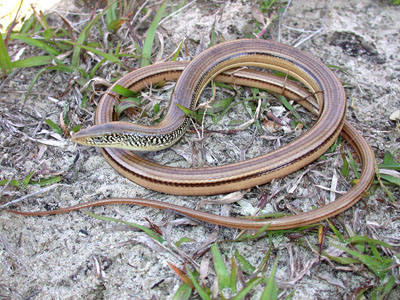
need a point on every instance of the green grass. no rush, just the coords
(22, 184)
(228, 281)
(5, 62)
(151, 32)
(58, 51)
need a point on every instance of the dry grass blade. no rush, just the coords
(226, 199)
(332, 280)
(69, 27)
(181, 275)
(38, 192)
(11, 27)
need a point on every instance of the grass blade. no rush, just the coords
(341, 260)
(177, 52)
(126, 104)
(378, 266)
(202, 293)
(183, 240)
(234, 275)
(28, 24)
(289, 107)
(353, 164)
(335, 231)
(220, 268)
(151, 32)
(107, 56)
(345, 170)
(253, 236)
(96, 67)
(364, 239)
(183, 293)
(271, 290)
(389, 162)
(12, 182)
(32, 61)
(111, 17)
(47, 181)
(383, 186)
(149, 232)
(249, 286)
(341, 69)
(35, 43)
(391, 179)
(5, 61)
(54, 126)
(190, 113)
(27, 179)
(247, 268)
(123, 91)
(388, 287)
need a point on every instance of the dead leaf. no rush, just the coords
(181, 274)
(332, 280)
(271, 126)
(204, 269)
(257, 15)
(227, 199)
(63, 125)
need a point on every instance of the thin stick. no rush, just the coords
(308, 37)
(175, 12)
(41, 191)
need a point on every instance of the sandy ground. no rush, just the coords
(74, 256)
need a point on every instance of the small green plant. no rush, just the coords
(364, 251)
(272, 5)
(57, 43)
(228, 280)
(151, 233)
(266, 13)
(21, 184)
(388, 173)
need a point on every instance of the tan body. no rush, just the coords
(327, 100)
